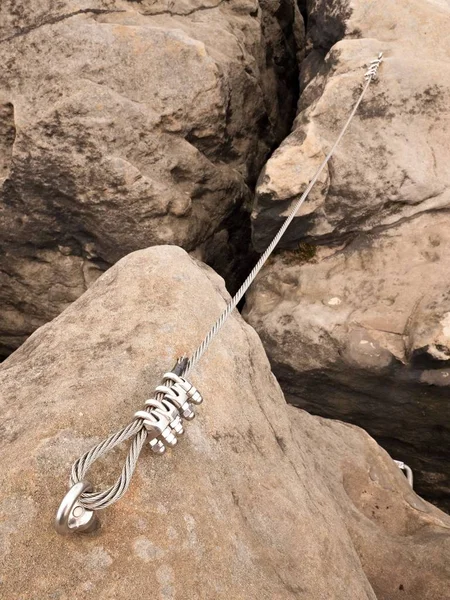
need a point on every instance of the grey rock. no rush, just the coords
(259, 500)
(128, 124)
(362, 333)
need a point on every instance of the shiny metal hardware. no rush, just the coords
(169, 410)
(72, 516)
(157, 424)
(157, 446)
(372, 71)
(163, 418)
(192, 392)
(177, 396)
(406, 470)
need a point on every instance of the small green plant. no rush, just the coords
(303, 253)
(306, 252)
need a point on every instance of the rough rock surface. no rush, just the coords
(392, 163)
(126, 124)
(350, 336)
(361, 331)
(258, 501)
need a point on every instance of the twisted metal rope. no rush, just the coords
(102, 499)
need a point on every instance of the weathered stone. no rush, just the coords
(384, 519)
(129, 124)
(258, 501)
(392, 162)
(360, 332)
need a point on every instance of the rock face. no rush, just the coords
(363, 334)
(384, 523)
(355, 319)
(260, 500)
(392, 163)
(127, 124)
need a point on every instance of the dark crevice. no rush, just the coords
(325, 22)
(234, 258)
(229, 251)
(303, 8)
(325, 25)
(360, 397)
(422, 359)
(7, 138)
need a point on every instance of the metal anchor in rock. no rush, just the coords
(72, 516)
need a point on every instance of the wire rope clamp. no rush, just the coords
(72, 517)
(168, 410)
(178, 397)
(157, 423)
(194, 395)
(372, 71)
(163, 418)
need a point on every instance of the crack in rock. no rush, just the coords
(57, 19)
(182, 14)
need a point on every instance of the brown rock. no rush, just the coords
(362, 334)
(258, 501)
(384, 518)
(392, 162)
(128, 124)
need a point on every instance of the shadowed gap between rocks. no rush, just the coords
(234, 260)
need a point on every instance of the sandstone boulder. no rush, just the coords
(127, 124)
(384, 520)
(362, 334)
(258, 501)
(355, 319)
(392, 163)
